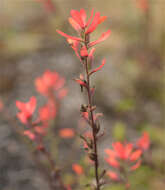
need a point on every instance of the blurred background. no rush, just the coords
(129, 89)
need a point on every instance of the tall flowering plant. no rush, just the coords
(51, 86)
(84, 49)
(125, 157)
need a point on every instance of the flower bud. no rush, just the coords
(84, 52)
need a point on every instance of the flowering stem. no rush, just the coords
(55, 171)
(92, 124)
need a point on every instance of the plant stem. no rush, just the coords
(92, 125)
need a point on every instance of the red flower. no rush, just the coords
(78, 19)
(74, 24)
(113, 162)
(96, 21)
(77, 169)
(29, 134)
(123, 152)
(144, 142)
(49, 82)
(135, 155)
(79, 23)
(66, 133)
(47, 112)
(26, 109)
(112, 175)
(84, 52)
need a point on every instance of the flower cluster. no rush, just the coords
(126, 157)
(50, 85)
(84, 28)
(26, 110)
(83, 47)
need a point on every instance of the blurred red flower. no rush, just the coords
(26, 109)
(144, 142)
(50, 82)
(66, 133)
(47, 112)
(122, 152)
(77, 169)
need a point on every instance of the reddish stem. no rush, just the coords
(92, 124)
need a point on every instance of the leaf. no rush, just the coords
(98, 68)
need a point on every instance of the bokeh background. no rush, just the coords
(129, 89)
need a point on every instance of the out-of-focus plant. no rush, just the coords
(125, 158)
(50, 85)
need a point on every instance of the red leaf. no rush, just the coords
(111, 153)
(91, 52)
(94, 23)
(88, 22)
(102, 38)
(112, 175)
(135, 155)
(134, 167)
(144, 141)
(74, 24)
(102, 19)
(83, 16)
(68, 36)
(112, 162)
(98, 68)
(29, 134)
(77, 17)
(81, 83)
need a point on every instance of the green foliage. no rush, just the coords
(119, 131)
(125, 105)
(140, 179)
(115, 187)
